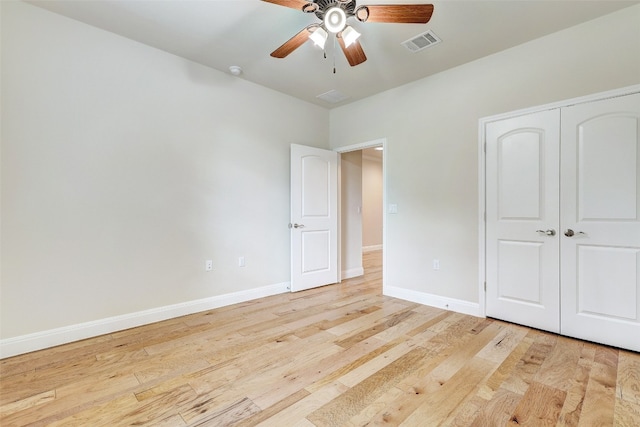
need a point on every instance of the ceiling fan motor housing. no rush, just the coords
(348, 6)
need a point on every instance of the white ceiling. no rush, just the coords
(221, 33)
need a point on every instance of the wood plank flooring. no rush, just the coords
(341, 355)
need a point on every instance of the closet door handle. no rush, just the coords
(550, 232)
(571, 233)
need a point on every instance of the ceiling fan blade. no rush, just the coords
(354, 53)
(293, 43)
(395, 13)
(303, 5)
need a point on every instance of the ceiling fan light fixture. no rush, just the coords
(349, 35)
(362, 13)
(319, 37)
(310, 8)
(335, 19)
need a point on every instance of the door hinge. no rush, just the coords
(485, 147)
(485, 286)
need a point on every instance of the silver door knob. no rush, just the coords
(298, 225)
(571, 233)
(549, 232)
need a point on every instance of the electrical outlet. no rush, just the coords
(208, 266)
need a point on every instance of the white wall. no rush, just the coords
(371, 202)
(124, 168)
(351, 216)
(432, 141)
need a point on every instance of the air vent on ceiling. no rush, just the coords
(422, 41)
(333, 96)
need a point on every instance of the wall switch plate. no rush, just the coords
(436, 264)
(241, 261)
(208, 266)
(393, 208)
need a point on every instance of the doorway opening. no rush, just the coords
(362, 201)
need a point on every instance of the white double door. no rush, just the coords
(563, 220)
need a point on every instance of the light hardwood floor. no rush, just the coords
(341, 355)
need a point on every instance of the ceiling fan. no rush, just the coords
(334, 15)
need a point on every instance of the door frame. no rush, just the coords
(355, 147)
(482, 123)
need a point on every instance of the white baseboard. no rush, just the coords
(459, 306)
(371, 248)
(53, 337)
(353, 272)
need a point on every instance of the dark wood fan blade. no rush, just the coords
(395, 13)
(303, 5)
(292, 44)
(354, 53)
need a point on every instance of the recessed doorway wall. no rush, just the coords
(372, 207)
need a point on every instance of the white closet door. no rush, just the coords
(600, 218)
(522, 254)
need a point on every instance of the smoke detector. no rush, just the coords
(235, 70)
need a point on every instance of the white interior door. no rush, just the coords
(314, 217)
(600, 190)
(522, 208)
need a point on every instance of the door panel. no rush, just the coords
(607, 167)
(522, 205)
(316, 253)
(314, 217)
(316, 178)
(600, 190)
(615, 268)
(520, 282)
(519, 183)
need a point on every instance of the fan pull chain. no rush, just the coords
(334, 54)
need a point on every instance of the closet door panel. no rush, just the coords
(600, 220)
(522, 220)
